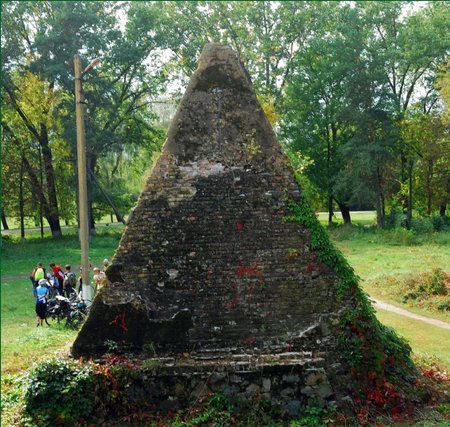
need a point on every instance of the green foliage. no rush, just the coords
(314, 416)
(59, 392)
(422, 225)
(149, 349)
(39, 88)
(427, 290)
(326, 252)
(12, 391)
(366, 345)
(394, 219)
(150, 364)
(111, 346)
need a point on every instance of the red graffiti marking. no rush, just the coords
(233, 303)
(249, 340)
(309, 268)
(239, 226)
(250, 271)
(119, 320)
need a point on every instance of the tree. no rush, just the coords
(48, 34)
(32, 104)
(266, 36)
(443, 86)
(427, 137)
(410, 48)
(314, 122)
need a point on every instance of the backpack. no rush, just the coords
(71, 279)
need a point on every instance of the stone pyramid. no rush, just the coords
(208, 260)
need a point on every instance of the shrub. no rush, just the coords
(59, 392)
(394, 219)
(439, 223)
(422, 225)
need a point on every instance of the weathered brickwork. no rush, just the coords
(207, 259)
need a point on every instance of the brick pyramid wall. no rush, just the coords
(207, 260)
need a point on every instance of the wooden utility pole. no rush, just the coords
(82, 181)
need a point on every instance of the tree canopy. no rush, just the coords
(357, 92)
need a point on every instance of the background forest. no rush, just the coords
(358, 93)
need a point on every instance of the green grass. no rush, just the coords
(19, 259)
(357, 217)
(14, 223)
(22, 342)
(379, 254)
(425, 340)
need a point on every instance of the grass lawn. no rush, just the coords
(425, 340)
(30, 223)
(393, 253)
(357, 217)
(19, 259)
(22, 342)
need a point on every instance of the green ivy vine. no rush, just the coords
(365, 344)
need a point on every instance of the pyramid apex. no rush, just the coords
(216, 53)
(219, 67)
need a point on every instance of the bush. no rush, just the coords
(394, 219)
(59, 392)
(422, 225)
(439, 223)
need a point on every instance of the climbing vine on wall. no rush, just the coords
(373, 352)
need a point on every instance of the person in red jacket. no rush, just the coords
(59, 274)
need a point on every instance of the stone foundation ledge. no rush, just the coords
(289, 380)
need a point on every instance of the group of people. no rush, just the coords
(59, 282)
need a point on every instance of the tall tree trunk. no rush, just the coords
(38, 192)
(410, 194)
(119, 216)
(330, 209)
(41, 136)
(379, 199)
(4, 222)
(345, 212)
(329, 184)
(53, 213)
(442, 209)
(21, 203)
(403, 179)
(41, 208)
(429, 186)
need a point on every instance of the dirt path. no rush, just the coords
(15, 277)
(63, 227)
(381, 305)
